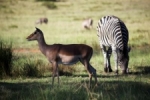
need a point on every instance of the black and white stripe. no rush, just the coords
(112, 33)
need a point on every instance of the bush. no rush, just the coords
(50, 5)
(33, 68)
(6, 56)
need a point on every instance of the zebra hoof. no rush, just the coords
(116, 72)
(110, 70)
(124, 72)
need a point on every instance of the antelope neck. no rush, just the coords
(42, 45)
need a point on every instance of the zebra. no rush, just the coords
(113, 37)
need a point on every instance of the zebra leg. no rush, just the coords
(115, 52)
(109, 51)
(105, 58)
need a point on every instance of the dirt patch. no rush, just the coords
(26, 50)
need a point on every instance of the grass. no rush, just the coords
(6, 56)
(110, 87)
(18, 18)
(50, 5)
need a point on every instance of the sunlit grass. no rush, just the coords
(65, 25)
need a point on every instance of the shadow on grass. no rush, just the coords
(141, 70)
(121, 90)
(19, 91)
(106, 75)
(145, 70)
(106, 90)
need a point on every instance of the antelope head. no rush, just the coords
(36, 35)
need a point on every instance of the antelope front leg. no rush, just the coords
(55, 70)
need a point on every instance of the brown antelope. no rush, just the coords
(64, 54)
(87, 23)
(41, 21)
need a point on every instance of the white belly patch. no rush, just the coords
(68, 60)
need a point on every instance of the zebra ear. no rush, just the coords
(120, 51)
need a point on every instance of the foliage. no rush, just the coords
(66, 70)
(6, 56)
(32, 68)
(29, 67)
(50, 5)
(113, 87)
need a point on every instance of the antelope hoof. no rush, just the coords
(105, 69)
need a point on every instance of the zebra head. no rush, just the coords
(123, 59)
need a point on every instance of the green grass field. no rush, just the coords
(17, 21)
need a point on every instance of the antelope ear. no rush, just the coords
(36, 28)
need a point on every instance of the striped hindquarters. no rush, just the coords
(112, 32)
